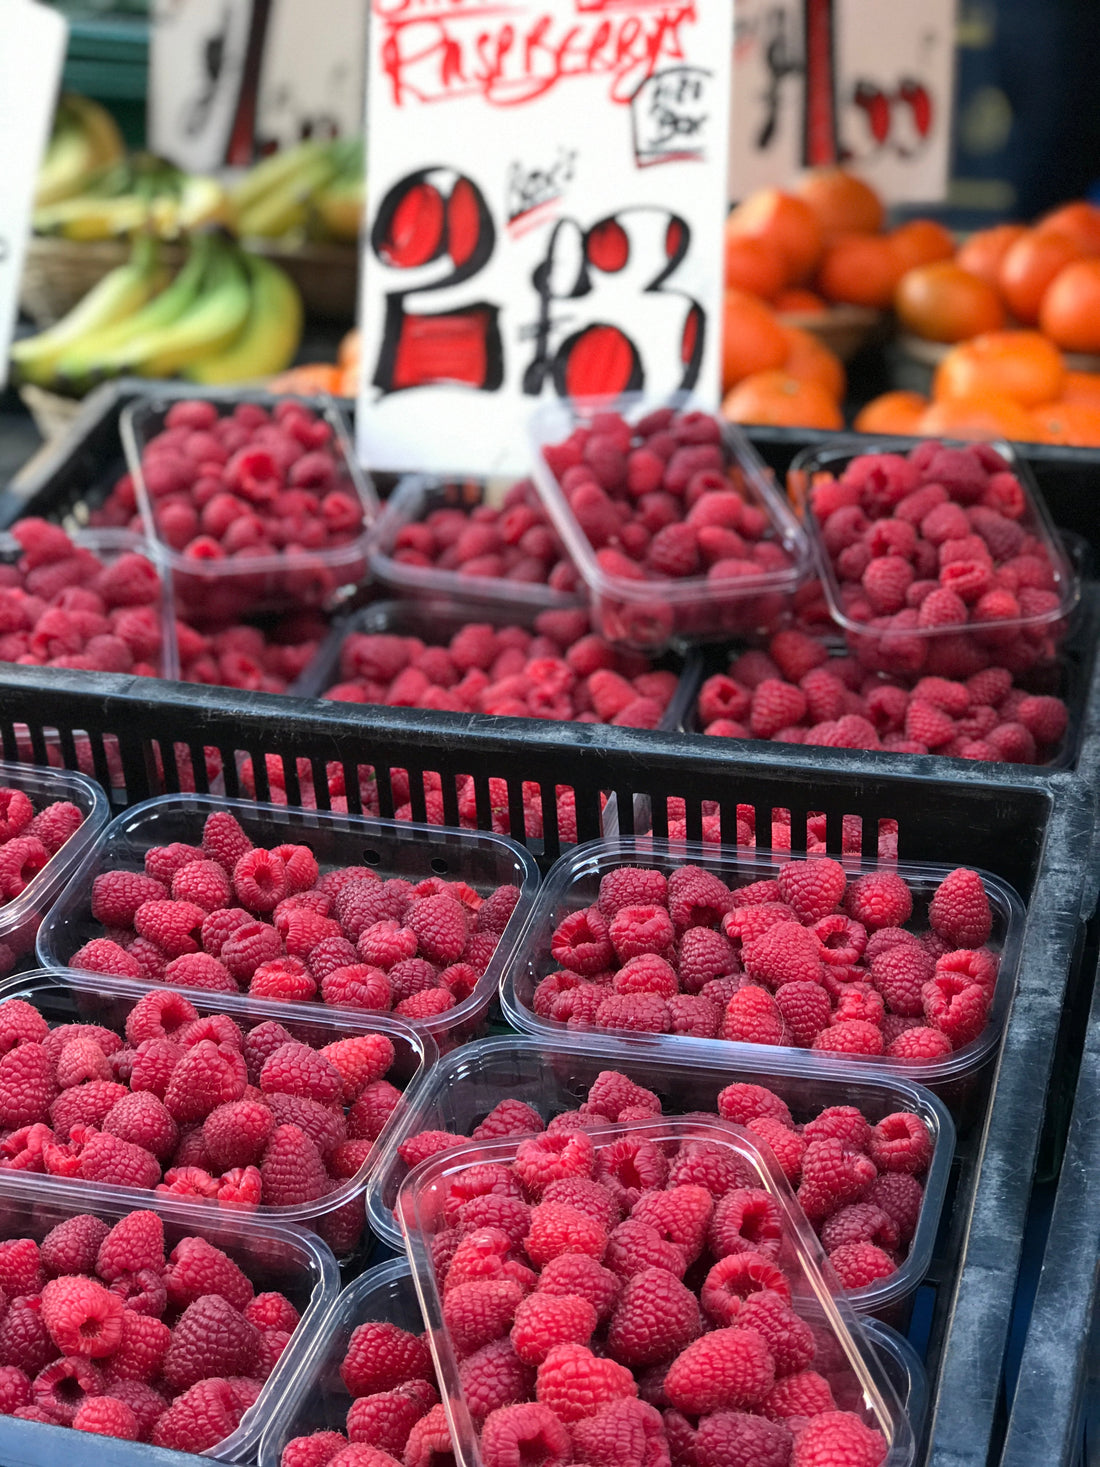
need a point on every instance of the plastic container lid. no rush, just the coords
(573, 883)
(555, 1075)
(273, 1256)
(389, 847)
(89, 998)
(815, 1292)
(20, 917)
(415, 497)
(649, 613)
(216, 590)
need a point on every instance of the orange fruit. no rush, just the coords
(891, 412)
(810, 360)
(1028, 268)
(752, 338)
(782, 401)
(1081, 387)
(1073, 423)
(785, 223)
(860, 270)
(350, 348)
(1078, 221)
(987, 415)
(349, 381)
(754, 265)
(1022, 365)
(940, 302)
(797, 301)
(308, 379)
(843, 203)
(922, 242)
(1070, 312)
(983, 253)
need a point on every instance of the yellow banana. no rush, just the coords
(214, 321)
(201, 200)
(274, 173)
(270, 336)
(340, 209)
(118, 295)
(286, 208)
(99, 126)
(83, 142)
(88, 217)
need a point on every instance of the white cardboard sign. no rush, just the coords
(768, 94)
(32, 52)
(197, 53)
(547, 192)
(311, 77)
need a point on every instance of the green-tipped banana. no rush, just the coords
(286, 209)
(118, 295)
(107, 353)
(98, 124)
(270, 336)
(88, 217)
(209, 327)
(275, 173)
(85, 140)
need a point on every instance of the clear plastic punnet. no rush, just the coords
(318, 1400)
(649, 612)
(573, 884)
(219, 589)
(87, 998)
(272, 1255)
(886, 648)
(389, 848)
(20, 917)
(843, 1353)
(414, 499)
(553, 1076)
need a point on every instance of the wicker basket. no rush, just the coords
(57, 273)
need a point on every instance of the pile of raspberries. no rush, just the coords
(859, 1183)
(229, 916)
(264, 658)
(943, 540)
(509, 542)
(194, 1106)
(61, 606)
(101, 1330)
(29, 838)
(797, 693)
(621, 1304)
(562, 670)
(807, 959)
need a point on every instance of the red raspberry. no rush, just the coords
(173, 926)
(767, 1310)
(586, 1196)
(742, 1102)
(116, 896)
(900, 1196)
(813, 888)
(81, 1059)
(802, 1394)
(636, 931)
(681, 1215)
(71, 1246)
(900, 974)
(54, 825)
(785, 953)
(959, 910)
(643, 1013)
(142, 1348)
(578, 1274)
(843, 1123)
(427, 1143)
(207, 1075)
(524, 1433)
(576, 1384)
(203, 883)
(108, 1159)
(196, 1267)
(901, 1143)
(20, 862)
(382, 1357)
(292, 1169)
(84, 1105)
(859, 1264)
(316, 1450)
(704, 955)
(727, 1368)
(919, 1046)
(832, 1176)
(295, 1069)
(143, 1120)
(83, 1317)
(135, 1243)
(850, 1036)
(581, 942)
(23, 1336)
(15, 1389)
(508, 1118)
(697, 898)
(547, 1158)
(236, 1134)
(224, 840)
(635, 1245)
(162, 862)
(775, 705)
(385, 1419)
(210, 1338)
(630, 1166)
(694, 1015)
(611, 1092)
(62, 1387)
(159, 1015)
(739, 1439)
(879, 899)
(492, 1377)
(425, 1005)
(786, 1145)
(20, 1023)
(1045, 718)
(259, 880)
(625, 1431)
(544, 1320)
(805, 1010)
(101, 955)
(200, 1418)
(746, 1220)
(372, 1110)
(862, 1222)
(752, 1017)
(557, 1228)
(478, 1312)
(441, 927)
(655, 1317)
(831, 1437)
(631, 886)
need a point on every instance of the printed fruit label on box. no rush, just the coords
(32, 50)
(547, 192)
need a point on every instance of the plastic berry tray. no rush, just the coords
(815, 1292)
(693, 608)
(20, 918)
(415, 497)
(218, 590)
(73, 997)
(318, 1400)
(832, 461)
(390, 848)
(273, 1255)
(573, 883)
(556, 1075)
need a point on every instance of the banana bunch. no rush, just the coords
(312, 191)
(227, 316)
(84, 145)
(141, 192)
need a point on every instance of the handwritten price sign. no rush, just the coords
(547, 187)
(32, 49)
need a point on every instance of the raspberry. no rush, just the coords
(696, 898)
(54, 825)
(879, 899)
(859, 1264)
(15, 1389)
(805, 1010)
(630, 1166)
(83, 1317)
(767, 1310)
(20, 1023)
(831, 1437)
(544, 1159)
(959, 910)
(524, 1433)
(752, 1017)
(557, 1228)
(71, 1246)
(681, 1215)
(636, 1245)
(210, 1338)
(135, 1243)
(440, 925)
(746, 1220)
(742, 1102)
(581, 942)
(101, 955)
(585, 1196)
(224, 840)
(831, 1177)
(478, 1312)
(142, 1348)
(642, 1013)
(508, 1118)
(901, 1143)
(545, 1320)
(813, 888)
(727, 1368)
(631, 886)
(576, 1384)
(200, 1418)
(655, 1317)
(623, 1432)
(295, 1069)
(804, 1393)
(106, 1158)
(196, 1267)
(61, 1388)
(635, 931)
(785, 953)
(900, 974)
(236, 1134)
(292, 1169)
(850, 1036)
(207, 1075)
(704, 955)
(259, 880)
(492, 1377)
(316, 1450)
(919, 1046)
(385, 1419)
(116, 896)
(20, 862)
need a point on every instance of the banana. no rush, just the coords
(274, 173)
(340, 209)
(106, 353)
(98, 125)
(85, 140)
(119, 294)
(286, 208)
(88, 217)
(212, 323)
(270, 336)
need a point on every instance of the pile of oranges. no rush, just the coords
(793, 255)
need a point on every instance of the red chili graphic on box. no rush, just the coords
(547, 187)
